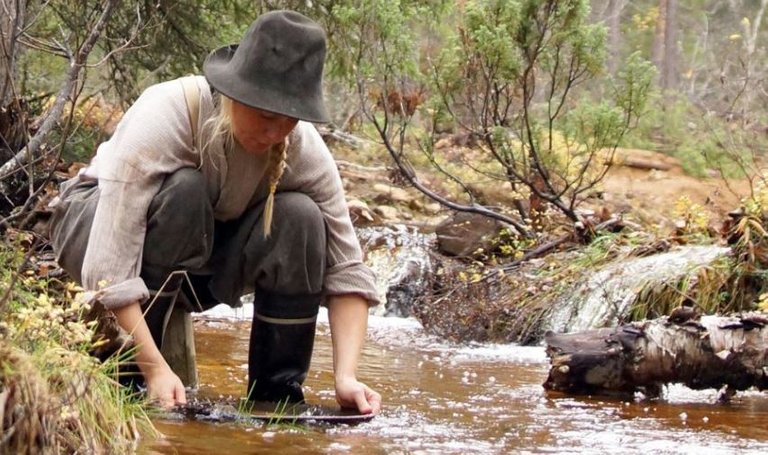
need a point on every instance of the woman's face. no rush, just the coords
(258, 130)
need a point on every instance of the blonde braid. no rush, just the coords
(275, 168)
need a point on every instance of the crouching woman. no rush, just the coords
(221, 178)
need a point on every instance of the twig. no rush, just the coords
(536, 252)
(360, 167)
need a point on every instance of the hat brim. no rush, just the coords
(225, 81)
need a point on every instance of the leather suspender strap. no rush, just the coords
(192, 97)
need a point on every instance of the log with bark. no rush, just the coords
(644, 164)
(727, 353)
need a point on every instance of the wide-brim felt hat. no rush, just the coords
(277, 67)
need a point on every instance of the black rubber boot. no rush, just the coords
(282, 338)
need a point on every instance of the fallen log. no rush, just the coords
(645, 164)
(727, 353)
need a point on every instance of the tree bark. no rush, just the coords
(701, 353)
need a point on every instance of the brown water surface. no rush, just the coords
(442, 399)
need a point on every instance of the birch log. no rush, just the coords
(701, 353)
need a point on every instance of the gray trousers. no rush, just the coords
(224, 259)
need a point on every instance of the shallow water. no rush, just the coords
(443, 399)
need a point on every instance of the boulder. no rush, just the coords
(400, 258)
(465, 233)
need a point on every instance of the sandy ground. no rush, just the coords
(651, 195)
(646, 196)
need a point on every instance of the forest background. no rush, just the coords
(425, 69)
(534, 98)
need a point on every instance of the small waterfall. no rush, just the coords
(399, 256)
(609, 292)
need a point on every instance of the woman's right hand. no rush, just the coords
(164, 387)
(162, 383)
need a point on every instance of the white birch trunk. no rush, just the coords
(701, 353)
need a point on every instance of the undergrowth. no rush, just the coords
(488, 304)
(54, 396)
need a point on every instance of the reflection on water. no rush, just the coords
(446, 399)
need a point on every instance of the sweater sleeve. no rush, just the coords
(312, 170)
(151, 141)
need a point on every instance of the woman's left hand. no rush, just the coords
(351, 393)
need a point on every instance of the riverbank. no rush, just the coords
(54, 396)
(492, 297)
(465, 299)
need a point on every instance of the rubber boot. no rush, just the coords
(282, 338)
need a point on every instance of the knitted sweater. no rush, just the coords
(154, 139)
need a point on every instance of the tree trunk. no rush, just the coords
(11, 22)
(13, 118)
(701, 353)
(657, 52)
(614, 34)
(669, 76)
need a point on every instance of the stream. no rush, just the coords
(450, 399)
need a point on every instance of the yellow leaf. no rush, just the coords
(745, 22)
(735, 37)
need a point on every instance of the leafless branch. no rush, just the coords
(77, 63)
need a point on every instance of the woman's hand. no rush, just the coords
(351, 393)
(164, 387)
(162, 383)
(348, 315)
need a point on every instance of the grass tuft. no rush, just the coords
(54, 396)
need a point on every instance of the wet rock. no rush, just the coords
(400, 258)
(465, 233)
